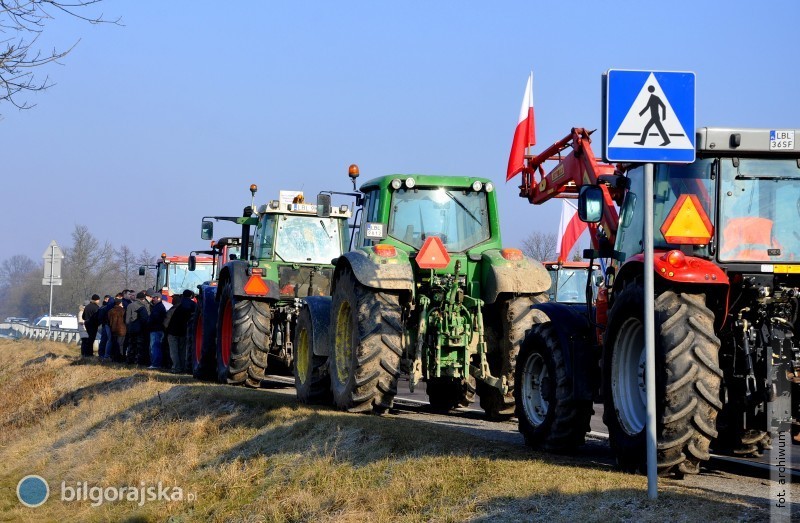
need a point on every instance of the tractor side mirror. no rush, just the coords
(206, 230)
(192, 264)
(323, 205)
(590, 204)
(142, 270)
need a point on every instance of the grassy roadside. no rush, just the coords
(246, 455)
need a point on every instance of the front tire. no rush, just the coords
(202, 345)
(549, 416)
(515, 317)
(366, 345)
(446, 394)
(312, 381)
(242, 339)
(688, 379)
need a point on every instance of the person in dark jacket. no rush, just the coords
(116, 322)
(137, 316)
(158, 312)
(103, 350)
(128, 297)
(90, 323)
(176, 333)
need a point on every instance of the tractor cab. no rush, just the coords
(174, 275)
(297, 243)
(569, 281)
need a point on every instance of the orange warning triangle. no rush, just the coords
(255, 286)
(433, 255)
(687, 222)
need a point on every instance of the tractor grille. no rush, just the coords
(295, 282)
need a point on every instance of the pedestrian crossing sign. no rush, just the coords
(648, 116)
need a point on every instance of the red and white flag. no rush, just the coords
(569, 229)
(525, 133)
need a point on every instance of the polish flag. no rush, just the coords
(570, 228)
(525, 133)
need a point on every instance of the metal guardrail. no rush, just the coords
(26, 330)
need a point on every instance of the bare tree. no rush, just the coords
(16, 268)
(88, 268)
(21, 24)
(21, 291)
(149, 279)
(540, 246)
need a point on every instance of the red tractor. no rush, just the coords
(173, 275)
(727, 302)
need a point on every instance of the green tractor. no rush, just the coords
(258, 296)
(427, 291)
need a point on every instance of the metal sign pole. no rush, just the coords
(52, 263)
(649, 334)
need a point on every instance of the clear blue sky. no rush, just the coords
(171, 117)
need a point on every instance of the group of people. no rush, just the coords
(136, 328)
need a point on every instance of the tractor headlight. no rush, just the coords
(489, 187)
(410, 183)
(397, 183)
(477, 185)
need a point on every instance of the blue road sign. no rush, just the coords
(648, 116)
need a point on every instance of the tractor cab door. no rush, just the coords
(759, 210)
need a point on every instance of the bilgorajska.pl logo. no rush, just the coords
(139, 495)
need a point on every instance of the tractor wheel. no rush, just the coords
(549, 417)
(312, 381)
(445, 394)
(202, 345)
(242, 339)
(365, 345)
(506, 323)
(688, 380)
(733, 437)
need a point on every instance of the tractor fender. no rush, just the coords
(499, 275)
(206, 299)
(237, 272)
(578, 346)
(319, 308)
(393, 273)
(698, 274)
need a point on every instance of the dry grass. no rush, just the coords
(258, 456)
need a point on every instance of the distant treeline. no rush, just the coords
(90, 266)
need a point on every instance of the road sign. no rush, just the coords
(648, 116)
(52, 264)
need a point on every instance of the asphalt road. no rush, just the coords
(600, 432)
(471, 419)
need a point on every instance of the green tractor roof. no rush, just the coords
(425, 180)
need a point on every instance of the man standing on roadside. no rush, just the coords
(136, 319)
(104, 349)
(176, 332)
(116, 322)
(89, 318)
(156, 327)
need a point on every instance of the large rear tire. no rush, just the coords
(202, 345)
(366, 345)
(514, 317)
(312, 381)
(243, 328)
(445, 394)
(688, 379)
(549, 415)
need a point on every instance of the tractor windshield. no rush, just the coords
(759, 210)
(458, 217)
(671, 182)
(177, 277)
(307, 239)
(568, 284)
